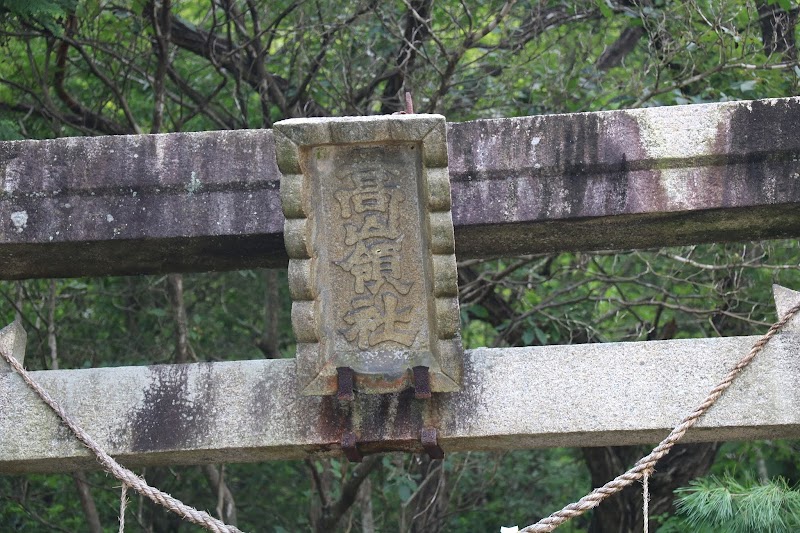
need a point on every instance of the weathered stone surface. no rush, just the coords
(580, 395)
(209, 201)
(785, 299)
(12, 342)
(138, 204)
(372, 268)
(627, 179)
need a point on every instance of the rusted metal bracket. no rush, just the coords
(350, 447)
(345, 384)
(422, 382)
(428, 438)
(430, 443)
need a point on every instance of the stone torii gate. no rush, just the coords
(210, 201)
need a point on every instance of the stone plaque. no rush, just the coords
(372, 268)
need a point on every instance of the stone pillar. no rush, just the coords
(372, 269)
(785, 300)
(12, 341)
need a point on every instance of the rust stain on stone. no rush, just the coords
(333, 418)
(390, 417)
(381, 423)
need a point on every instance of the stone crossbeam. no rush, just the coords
(607, 180)
(581, 395)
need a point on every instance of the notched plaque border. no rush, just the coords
(295, 137)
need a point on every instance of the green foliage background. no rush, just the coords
(91, 67)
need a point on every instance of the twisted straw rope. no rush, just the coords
(127, 477)
(645, 502)
(643, 466)
(646, 464)
(123, 503)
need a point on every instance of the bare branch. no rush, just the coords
(88, 119)
(161, 19)
(332, 513)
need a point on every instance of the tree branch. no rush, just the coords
(778, 29)
(624, 45)
(175, 288)
(87, 503)
(162, 29)
(89, 119)
(331, 514)
(226, 507)
(416, 30)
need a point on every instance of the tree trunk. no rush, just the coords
(622, 513)
(778, 29)
(624, 45)
(226, 504)
(175, 287)
(87, 503)
(268, 343)
(365, 503)
(334, 511)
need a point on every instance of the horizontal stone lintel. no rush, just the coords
(589, 181)
(513, 398)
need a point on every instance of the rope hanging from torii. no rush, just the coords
(128, 478)
(646, 465)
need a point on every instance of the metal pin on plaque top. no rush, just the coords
(350, 447)
(345, 383)
(430, 443)
(409, 101)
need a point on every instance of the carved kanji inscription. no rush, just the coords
(370, 239)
